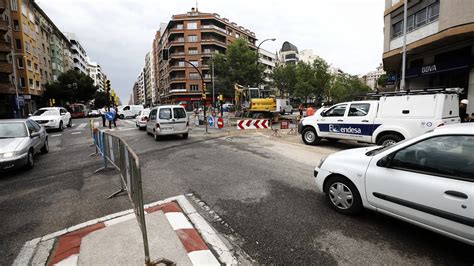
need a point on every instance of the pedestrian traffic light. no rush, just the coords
(107, 85)
(165, 54)
(204, 96)
(221, 97)
(204, 87)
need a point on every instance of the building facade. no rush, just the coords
(78, 53)
(147, 76)
(269, 60)
(94, 71)
(370, 79)
(141, 92)
(288, 54)
(440, 44)
(307, 56)
(194, 37)
(8, 103)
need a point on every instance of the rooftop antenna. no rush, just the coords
(196, 5)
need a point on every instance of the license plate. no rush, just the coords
(167, 129)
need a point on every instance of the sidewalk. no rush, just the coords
(175, 232)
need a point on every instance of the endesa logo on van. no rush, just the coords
(344, 129)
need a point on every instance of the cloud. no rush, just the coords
(118, 33)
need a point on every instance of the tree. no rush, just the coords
(305, 81)
(382, 81)
(284, 79)
(322, 77)
(345, 87)
(71, 86)
(100, 99)
(237, 65)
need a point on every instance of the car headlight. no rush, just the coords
(8, 154)
(54, 120)
(322, 161)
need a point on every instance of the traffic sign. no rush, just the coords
(110, 116)
(253, 124)
(210, 120)
(220, 122)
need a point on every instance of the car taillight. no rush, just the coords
(187, 124)
(440, 125)
(157, 125)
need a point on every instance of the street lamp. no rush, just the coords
(256, 64)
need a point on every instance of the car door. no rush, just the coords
(430, 182)
(180, 119)
(126, 111)
(165, 120)
(359, 121)
(331, 120)
(63, 114)
(41, 130)
(35, 141)
(151, 124)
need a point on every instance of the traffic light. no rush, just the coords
(107, 85)
(165, 54)
(221, 97)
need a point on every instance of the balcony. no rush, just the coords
(177, 80)
(177, 55)
(2, 6)
(213, 28)
(177, 68)
(5, 47)
(3, 25)
(177, 90)
(6, 67)
(213, 41)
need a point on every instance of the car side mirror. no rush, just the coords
(386, 161)
(30, 115)
(34, 134)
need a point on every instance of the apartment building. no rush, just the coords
(141, 92)
(136, 93)
(370, 79)
(8, 106)
(269, 60)
(94, 71)
(195, 37)
(147, 80)
(440, 44)
(288, 53)
(78, 53)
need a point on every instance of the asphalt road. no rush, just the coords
(263, 189)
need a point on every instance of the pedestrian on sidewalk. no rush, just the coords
(114, 112)
(463, 111)
(310, 111)
(301, 108)
(102, 112)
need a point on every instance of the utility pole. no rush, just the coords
(213, 96)
(404, 55)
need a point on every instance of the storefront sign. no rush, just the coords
(455, 64)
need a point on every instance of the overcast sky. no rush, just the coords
(117, 33)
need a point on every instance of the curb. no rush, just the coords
(62, 247)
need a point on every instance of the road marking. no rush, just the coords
(130, 122)
(75, 133)
(81, 126)
(56, 135)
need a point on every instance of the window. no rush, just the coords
(450, 156)
(13, 5)
(397, 29)
(152, 115)
(181, 64)
(410, 23)
(179, 113)
(420, 18)
(338, 110)
(16, 25)
(359, 109)
(27, 47)
(194, 75)
(193, 51)
(192, 25)
(36, 67)
(165, 113)
(179, 26)
(30, 126)
(20, 62)
(126, 108)
(24, 9)
(194, 87)
(30, 83)
(237, 35)
(28, 63)
(192, 38)
(433, 12)
(18, 44)
(38, 85)
(35, 125)
(194, 63)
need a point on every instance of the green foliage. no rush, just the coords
(312, 79)
(345, 87)
(63, 90)
(237, 65)
(382, 80)
(284, 79)
(100, 99)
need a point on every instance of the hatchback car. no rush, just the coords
(142, 118)
(168, 120)
(53, 117)
(20, 140)
(427, 180)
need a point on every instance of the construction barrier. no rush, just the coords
(115, 151)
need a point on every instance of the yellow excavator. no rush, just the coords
(249, 104)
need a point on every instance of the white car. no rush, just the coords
(129, 111)
(168, 120)
(52, 117)
(142, 118)
(427, 180)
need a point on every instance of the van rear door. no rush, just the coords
(180, 119)
(448, 105)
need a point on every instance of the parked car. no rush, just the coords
(227, 107)
(142, 118)
(283, 106)
(168, 120)
(93, 113)
(20, 141)
(129, 111)
(388, 120)
(427, 180)
(52, 117)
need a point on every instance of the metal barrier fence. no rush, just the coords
(115, 151)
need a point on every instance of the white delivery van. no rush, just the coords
(283, 106)
(388, 120)
(125, 111)
(168, 120)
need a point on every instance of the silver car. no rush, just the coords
(20, 141)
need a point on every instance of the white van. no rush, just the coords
(283, 106)
(125, 111)
(168, 120)
(385, 121)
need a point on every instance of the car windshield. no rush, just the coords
(12, 130)
(145, 112)
(383, 148)
(45, 112)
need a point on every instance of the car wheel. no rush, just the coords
(121, 116)
(389, 139)
(31, 160)
(309, 136)
(185, 135)
(69, 124)
(61, 126)
(136, 124)
(343, 195)
(45, 148)
(156, 136)
(291, 111)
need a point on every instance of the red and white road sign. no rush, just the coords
(253, 124)
(220, 122)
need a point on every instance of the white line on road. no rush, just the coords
(130, 122)
(83, 125)
(75, 133)
(56, 135)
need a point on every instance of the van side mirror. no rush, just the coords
(385, 161)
